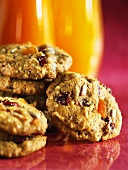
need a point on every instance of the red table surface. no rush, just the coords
(111, 154)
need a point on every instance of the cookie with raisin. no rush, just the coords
(17, 117)
(27, 61)
(37, 101)
(18, 146)
(83, 107)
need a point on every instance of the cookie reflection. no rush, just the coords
(79, 155)
(34, 160)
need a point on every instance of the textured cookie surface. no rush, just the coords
(37, 101)
(24, 87)
(31, 62)
(17, 117)
(17, 146)
(83, 108)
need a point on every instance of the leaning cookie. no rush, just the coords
(17, 146)
(28, 61)
(83, 108)
(17, 117)
(24, 87)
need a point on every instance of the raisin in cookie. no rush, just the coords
(17, 146)
(28, 61)
(83, 108)
(24, 87)
(38, 101)
(17, 117)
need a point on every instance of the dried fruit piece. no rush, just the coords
(35, 121)
(85, 103)
(42, 60)
(19, 139)
(102, 108)
(44, 49)
(106, 119)
(41, 48)
(29, 50)
(63, 98)
(8, 103)
(112, 125)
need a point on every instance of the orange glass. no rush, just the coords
(26, 20)
(78, 30)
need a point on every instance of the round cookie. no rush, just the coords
(24, 87)
(28, 61)
(17, 117)
(83, 108)
(17, 146)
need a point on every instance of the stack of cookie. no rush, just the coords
(22, 128)
(79, 106)
(25, 72)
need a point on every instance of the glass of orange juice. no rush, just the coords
(79, 31)
(26, 20)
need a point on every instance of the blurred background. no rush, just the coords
(114, 67)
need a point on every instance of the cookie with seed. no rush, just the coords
(27, 61)
(18, 146)
(38, 101)
(17, 117)
(83, 107)
(24, 87)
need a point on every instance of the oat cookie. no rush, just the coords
(17, 146)
(24, 87)
(83, 108)
(28, 61)
(17, 117)
(38, 101)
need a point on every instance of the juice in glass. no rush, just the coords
(26, 20)
(78, 30)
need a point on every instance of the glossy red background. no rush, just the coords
(111, 154)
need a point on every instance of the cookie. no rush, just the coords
(28, 61)
(24, 87)
(83, 107)
(17, 146)
(17, 117)
(38, 101)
